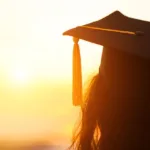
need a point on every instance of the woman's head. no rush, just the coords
(115, 104)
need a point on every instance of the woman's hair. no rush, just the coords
(109, 123)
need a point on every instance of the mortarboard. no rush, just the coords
(116, 31)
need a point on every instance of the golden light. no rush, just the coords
(36, 57)
(19, 76)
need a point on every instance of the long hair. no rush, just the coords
(111, 123)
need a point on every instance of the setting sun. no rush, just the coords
(20, 76)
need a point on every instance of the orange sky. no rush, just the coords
(35, 62)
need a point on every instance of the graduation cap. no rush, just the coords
(117, 31)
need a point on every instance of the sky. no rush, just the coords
(35, 62)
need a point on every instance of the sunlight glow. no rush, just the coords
(36, 62)
(20, 76)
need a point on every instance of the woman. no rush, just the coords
(117, 104)
(116, 109)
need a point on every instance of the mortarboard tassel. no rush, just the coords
(77, 75)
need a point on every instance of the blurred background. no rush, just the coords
(36, 109)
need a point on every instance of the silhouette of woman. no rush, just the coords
(116, 107)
